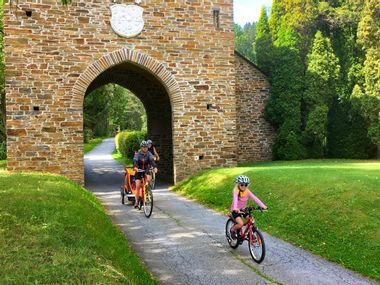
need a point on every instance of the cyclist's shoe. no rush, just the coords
(233, 234)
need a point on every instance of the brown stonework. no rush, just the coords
(256, 136)
(177, 66)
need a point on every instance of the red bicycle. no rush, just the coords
(129, 190)
(250, 233)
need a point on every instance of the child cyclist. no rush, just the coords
(241, 194)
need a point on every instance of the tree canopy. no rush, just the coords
(323, 61)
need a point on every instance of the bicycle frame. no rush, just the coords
(247, 226)
(249, 232)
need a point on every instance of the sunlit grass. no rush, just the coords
(128, 162)
(330, 207)
(52, 231)
(92, 144)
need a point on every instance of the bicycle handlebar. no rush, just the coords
(252, 208)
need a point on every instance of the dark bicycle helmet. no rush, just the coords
(143, 144)
(242, 179)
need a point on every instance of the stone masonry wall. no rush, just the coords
(256, 136)
(48, 56)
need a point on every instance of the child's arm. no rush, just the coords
(256, 200)
(235, 202)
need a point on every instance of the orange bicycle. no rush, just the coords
(129, 190)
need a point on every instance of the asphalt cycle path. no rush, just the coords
(184, 242)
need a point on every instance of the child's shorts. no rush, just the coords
(235, 215)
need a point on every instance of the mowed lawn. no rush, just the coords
(53, 231)
(329, 207)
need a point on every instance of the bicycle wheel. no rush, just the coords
(122, 194)
(148, 201)
(256, 246)
(234, 243)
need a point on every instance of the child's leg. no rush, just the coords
(238, 225)
(137, 193)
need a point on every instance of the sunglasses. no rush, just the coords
(243, 185)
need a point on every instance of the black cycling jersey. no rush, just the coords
(151, 149)
(143, 160)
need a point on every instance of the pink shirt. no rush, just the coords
(241, 202)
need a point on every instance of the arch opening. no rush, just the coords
(152, 93)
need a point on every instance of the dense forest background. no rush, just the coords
(110, 109)
(323, 61)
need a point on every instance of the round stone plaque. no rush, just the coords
(127, 20)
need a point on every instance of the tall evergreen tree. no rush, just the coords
(368, 96)
(339, 21)
(292, 26)
(283, 109)
(276, 14)
(321, 86)
(244, 40)
(263, 43)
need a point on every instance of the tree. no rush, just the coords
(367, 97)
(263, 43)
(276, 15)
(283, 110)
(320, 90)
(244, 40)
(111, 108)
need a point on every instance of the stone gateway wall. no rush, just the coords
(256, 135)
(181, 66)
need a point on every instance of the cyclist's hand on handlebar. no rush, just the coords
(135, 169)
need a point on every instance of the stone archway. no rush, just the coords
(149, 80)
(53, 59)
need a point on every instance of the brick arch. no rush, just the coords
(134, 57)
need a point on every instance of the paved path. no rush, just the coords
(184, 242)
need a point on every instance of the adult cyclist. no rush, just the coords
(142, 160)
(152, 150)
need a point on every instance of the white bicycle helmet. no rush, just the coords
(242, 179)
(143, 144)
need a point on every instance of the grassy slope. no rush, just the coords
(92, 144)
(331, 208)
(53, 232)
(122, 160)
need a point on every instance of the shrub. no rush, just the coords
(127, 142)
(3, 150)
(88, 134)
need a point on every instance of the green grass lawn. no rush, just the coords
(121, 159)
(54, 232)
(92, 144)
(330, 207)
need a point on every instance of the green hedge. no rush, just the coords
(3, 150)
(127, 142)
